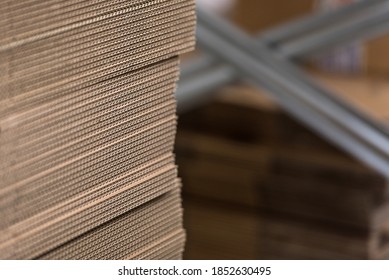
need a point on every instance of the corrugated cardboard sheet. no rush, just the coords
(87, 127)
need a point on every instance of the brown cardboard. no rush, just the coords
(87, 127)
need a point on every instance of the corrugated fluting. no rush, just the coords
(87, 128)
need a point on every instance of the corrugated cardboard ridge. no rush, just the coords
(155, 218)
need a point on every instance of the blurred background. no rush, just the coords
(257, 183)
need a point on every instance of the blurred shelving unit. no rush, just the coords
(327, 208)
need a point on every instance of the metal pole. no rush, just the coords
(316, 22)
(196, 91)
(361, 27)
(344, 127)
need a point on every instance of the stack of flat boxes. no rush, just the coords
(258, 185)
(87, 128)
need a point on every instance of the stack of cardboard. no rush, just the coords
(87, 128)
(258, 185)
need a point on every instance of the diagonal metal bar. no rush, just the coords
(319, 95)
(202, 79)
(299, 95)
(333, 25)
(196, 91)
(373, 22)
(316, 22)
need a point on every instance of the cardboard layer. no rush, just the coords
(76, 154)
(52, 231)
(152, 251)
(41, 27)
(127, 231)
(90, 47)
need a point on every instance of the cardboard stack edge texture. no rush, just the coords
(87, 128)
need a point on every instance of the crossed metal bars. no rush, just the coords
(313, 33)
(266, 63)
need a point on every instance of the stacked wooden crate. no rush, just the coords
(87, 128)
(258, 185)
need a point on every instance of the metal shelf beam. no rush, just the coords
(296, 92)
